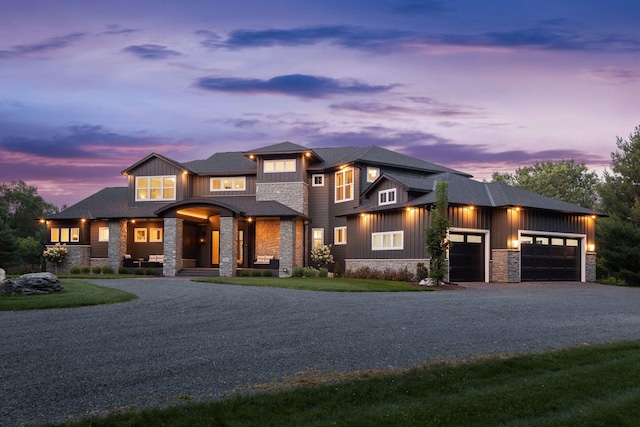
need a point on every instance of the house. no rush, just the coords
(268, 207)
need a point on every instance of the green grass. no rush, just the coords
(76, 293)
(584, 386)
(318, 284)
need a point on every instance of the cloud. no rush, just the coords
(613, 75)
(45, 46)
(298, 85)
(115, 29)
(551, 35)
(151, 51)
(435, 109)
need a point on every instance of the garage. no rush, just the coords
(466, 257)
(550, 258)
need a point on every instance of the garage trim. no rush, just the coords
(581, 237)
(487, 245)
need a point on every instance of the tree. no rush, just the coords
(618, 236)
(24, 206)
(564, 180)
(436, 235)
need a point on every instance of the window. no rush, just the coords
(317, 237)
(103, 234)
(64, 235)
(387, 240)
(317, 180)
(557, 242)
(372, 174)
(340, 236)
(238, 183)
(284, 165)
(155, 234)
(456, 238)
(140, 235)
(155, 188)
(572, 242)
(387, 197)
(344, 185)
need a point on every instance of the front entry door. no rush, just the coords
(215, 248)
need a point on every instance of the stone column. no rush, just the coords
(590, 267)
(287, 246)
(506, 266)
(228, 246)
(117, 243)
(173, 232)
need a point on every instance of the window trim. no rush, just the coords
(101, 235)
(233, 183)
(313, 230)
(369, 170)
(336, 230)
(313, 180)
(351, 185)
(156, 230)
(162, 188)
(140, 235)
(65, 235)
(386, 193)
(276, 162)
(387, 233)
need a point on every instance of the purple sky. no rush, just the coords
(89, 88)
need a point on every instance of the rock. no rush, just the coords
(3, 275)
(30, 284)
(426, 282)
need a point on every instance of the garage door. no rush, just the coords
(550, 258)
(466, 257)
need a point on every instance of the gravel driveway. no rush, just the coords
(183, 340)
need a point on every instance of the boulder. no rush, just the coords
(30, 284)
(3, 275)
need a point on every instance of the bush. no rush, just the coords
(244, 273)
(106, 269)
(256, 273)
(404, 275)
(75, 269)
(149, 271)
(85, 269)
(309, 272)
(422, 272)
(96, 269)
(138, 271)
(267, 273)
(323, 272)
(298, 271)
(123, 270)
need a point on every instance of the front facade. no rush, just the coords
(267, 208)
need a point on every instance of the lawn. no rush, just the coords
(76, 293)
(318, 284)
(594, 385)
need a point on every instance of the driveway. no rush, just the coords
(192, 341)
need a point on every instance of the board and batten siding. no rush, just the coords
(202, 186)
(300, 173)
(158, 167)
(467, 217)
(401, 193)
(98, 249)
(320, 199)
(144, 249)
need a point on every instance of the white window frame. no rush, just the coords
(155, 234)
(321, 180)
(235, 180)
(103, 234)
(313, 238)
(140, 235)
(375, 175)
(342, 188)
(336, 232)
(65, 235)
(149, 189)
(279, 165)
(387, 237)
(385, 194)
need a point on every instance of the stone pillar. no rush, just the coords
(117, 243)
(173, 232)
(505, 267)
(228, 246)
(287, 246)
(590, 267)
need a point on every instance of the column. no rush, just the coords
(117, 243)
(228, 246)
(173, 232)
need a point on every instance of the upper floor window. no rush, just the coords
(155, 188)
(387, 240)
(284, 165)
(317, 180)
(372, 174)
(344, 185)
(340, 236)
(387, 197)
(238, 183)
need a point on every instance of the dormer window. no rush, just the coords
(277, 166)
(154, 188)
(387, 197)
(372, 174)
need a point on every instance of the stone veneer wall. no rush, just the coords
(268, 238)
(77, 255)
(117, 243)
(590, 267)
(228, 246)
(287, 247)
(505, 267)
(383, 264)
(292, 194)
(173, 232)
(299, 245)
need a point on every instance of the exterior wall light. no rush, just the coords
(591, 247)
(515, 244)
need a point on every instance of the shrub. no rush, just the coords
(96, 269)
(149, 271)
(138, 271)
(123, 270)
(323, 272)
(309, 272)
(85, 269)
(244, 273)
(422, 272)
(298, 271)
(256, 273)
(337, 269)
(404, 275)
(322, 255)
(75, 269)
(267, 273)
(106, 269)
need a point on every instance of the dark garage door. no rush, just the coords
(466, 257)
(550, 258)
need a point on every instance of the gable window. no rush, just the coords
(155, 188)
(387, 197)
(392, 240)
(340, 236)
(372, 174)
(238, 183)
(317, 237)
(344, 185)
(64, 235)
(275, 166)
(103, 234)
(317, 180)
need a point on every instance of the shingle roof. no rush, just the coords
(159, 156)
(244, 205)
(223, 163)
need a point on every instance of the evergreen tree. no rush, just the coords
(436, 235)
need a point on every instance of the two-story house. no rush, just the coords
(270, 206)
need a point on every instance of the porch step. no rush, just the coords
(199, 272)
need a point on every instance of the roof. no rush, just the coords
(223, 163)
(284, 148)
(159, 156)
(243, 205)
